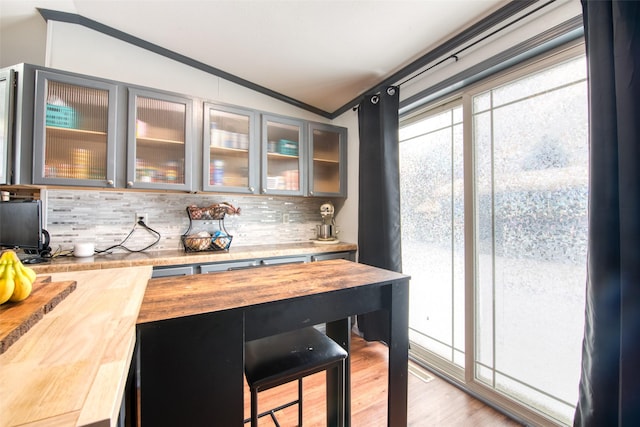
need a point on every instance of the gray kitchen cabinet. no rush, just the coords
(7, 95)
(327, 160)
(251, 263)
(17, 122)
(214, 267)
(302, 158)
(231, 149)
(283, 151)
(227, 266)
(285, 260)
(87, 132)
(159, 140)
(281, 156)
(185, 270)
(74, 130)
(349, 255)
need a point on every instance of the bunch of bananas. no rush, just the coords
(16, 280)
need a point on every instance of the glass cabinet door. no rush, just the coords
(74, 131)
(159, 141)
(283, 150)
(6, 121)
(327, 162)
(230, 155)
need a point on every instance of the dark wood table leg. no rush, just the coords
(191, 371)
(339, 409)
(398, 353)
(131, 393)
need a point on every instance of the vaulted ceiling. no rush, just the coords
(323, 53)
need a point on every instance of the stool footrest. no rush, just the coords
(273, 411)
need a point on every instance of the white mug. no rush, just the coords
(83, 249)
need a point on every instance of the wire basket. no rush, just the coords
(217, 240)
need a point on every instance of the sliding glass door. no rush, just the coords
(431, 153)
(504, 272)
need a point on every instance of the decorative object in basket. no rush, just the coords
(215, 240)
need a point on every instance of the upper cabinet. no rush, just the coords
(74, 131)
(283, 151)
(230, 150)
(159, 136)
(280, 156)
(327, 161)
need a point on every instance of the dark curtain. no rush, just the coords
(379, 195)
(610, 382)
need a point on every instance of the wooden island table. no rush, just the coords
(71, 367)
(191, 332)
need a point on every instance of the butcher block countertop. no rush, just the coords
(70, 368)
(180, 257)
(168, 298)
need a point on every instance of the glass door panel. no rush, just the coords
(531, 175)
(159, 135)
(229, 149)
(431, 175)
(74, 131)
(283, 151)
(6, 120)
(327, 162)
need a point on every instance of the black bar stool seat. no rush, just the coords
(280, 359)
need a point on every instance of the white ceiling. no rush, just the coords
(320, 52)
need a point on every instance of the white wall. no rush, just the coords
(79, 49)
(23, 40)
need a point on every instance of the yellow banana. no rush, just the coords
(22, 285)
(7, 255)
(7, 284)
(16, 280)
(12, 257)
(27, 271)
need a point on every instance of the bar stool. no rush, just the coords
(280, 359)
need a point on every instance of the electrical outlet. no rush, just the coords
(142, 217)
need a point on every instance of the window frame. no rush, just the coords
(465, 379)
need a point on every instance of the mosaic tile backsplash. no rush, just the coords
(106, 218)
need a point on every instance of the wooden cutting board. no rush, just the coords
(16, 318)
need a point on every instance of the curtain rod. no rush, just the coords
(501, 15)
(454, 56)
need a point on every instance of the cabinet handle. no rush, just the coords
(129, 184)
(264, 191)
(251, 189)
(110, 182)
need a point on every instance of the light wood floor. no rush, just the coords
(432, 403)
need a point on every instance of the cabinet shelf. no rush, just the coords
(228, 150)
(332, 161)
(74, 131)
(156, 140)
(281, 156)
